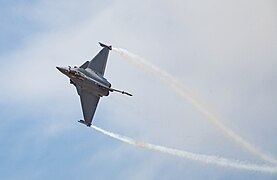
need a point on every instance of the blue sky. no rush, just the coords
(224, 52)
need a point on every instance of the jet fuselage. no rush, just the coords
(88, 80)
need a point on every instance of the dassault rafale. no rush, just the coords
(90, 82)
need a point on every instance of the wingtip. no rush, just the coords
(85, 123)
(105, 46)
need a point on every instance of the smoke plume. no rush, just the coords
(183, 92)
(207, 159)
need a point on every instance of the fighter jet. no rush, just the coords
(90, 82)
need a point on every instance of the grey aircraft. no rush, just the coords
(90, 82)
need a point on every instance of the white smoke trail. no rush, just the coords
(180, 89)
(192, 156)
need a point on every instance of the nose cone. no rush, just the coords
(62, 69)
